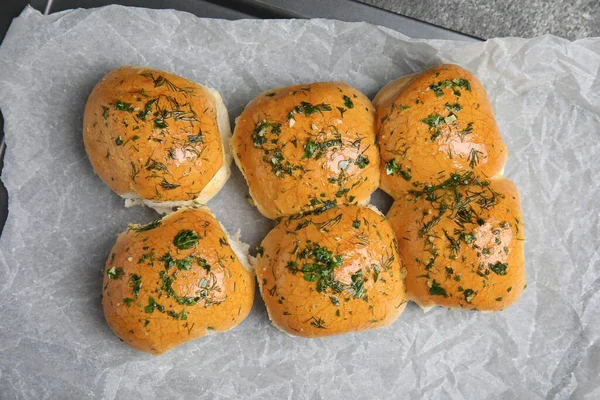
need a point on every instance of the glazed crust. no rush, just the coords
(472, 256)
(302, 299)
(152, 134)
(432, 124)
(157, 294)
(300, 146)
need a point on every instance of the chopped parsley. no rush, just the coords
(147, 109)
(152, 305)
(317, 149)
(147, 227)
(348, 102)
(436, 290)
(469, 295)
(119, 105)
(185, 239)
(393, 167)
(259, 135)
(453, 84)
(115, 273)
(358, 284)
(321, 269)
(498, 268)
(185, 264)
(135, 281)
(362, 161)
(308, 109)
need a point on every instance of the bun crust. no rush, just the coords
(331, 273)
(432, 124)
(461, 242)
(301, 146)
(156, 136)
(174, 280)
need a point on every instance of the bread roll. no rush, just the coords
(304, 146)
(157, 138)
(175, 280)
(332, 272)
(461, 241)
(435, 123)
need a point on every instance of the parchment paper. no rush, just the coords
(54, 342)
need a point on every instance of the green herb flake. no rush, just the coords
(166, 185)
(115, 273)
(259, 135)
(393, 167)
(185, 264)
(358, 284)
(348, 102)
(469, 294)
(498, 268)
(185, 239)
(318, 323)
(152, 305)
(147, 227)
(356, 224)
(436, 290)
(308, 109)
(128, 301)
(119, 105)
(309, 149)
(433, 120)
(135, 281)
(362, 161)
(474, 157)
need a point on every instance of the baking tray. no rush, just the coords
(345, 10)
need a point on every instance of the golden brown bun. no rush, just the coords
(472, 256)
(365, 289)
(154, 135)
(300, 146)
(417, 146)
(163, 287)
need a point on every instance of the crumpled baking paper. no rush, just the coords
(54, 341)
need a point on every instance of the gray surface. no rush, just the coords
(347, 10)
(54, 342)
(572, 19)
(344, 10)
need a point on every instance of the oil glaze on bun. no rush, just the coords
(331, 272)
(461, 241)
(303, 146)
(157, 138)
(432, 124)
(175, 280)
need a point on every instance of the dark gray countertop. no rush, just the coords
(571, 19)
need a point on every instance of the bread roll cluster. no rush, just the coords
(457, 220)
(312, 155)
